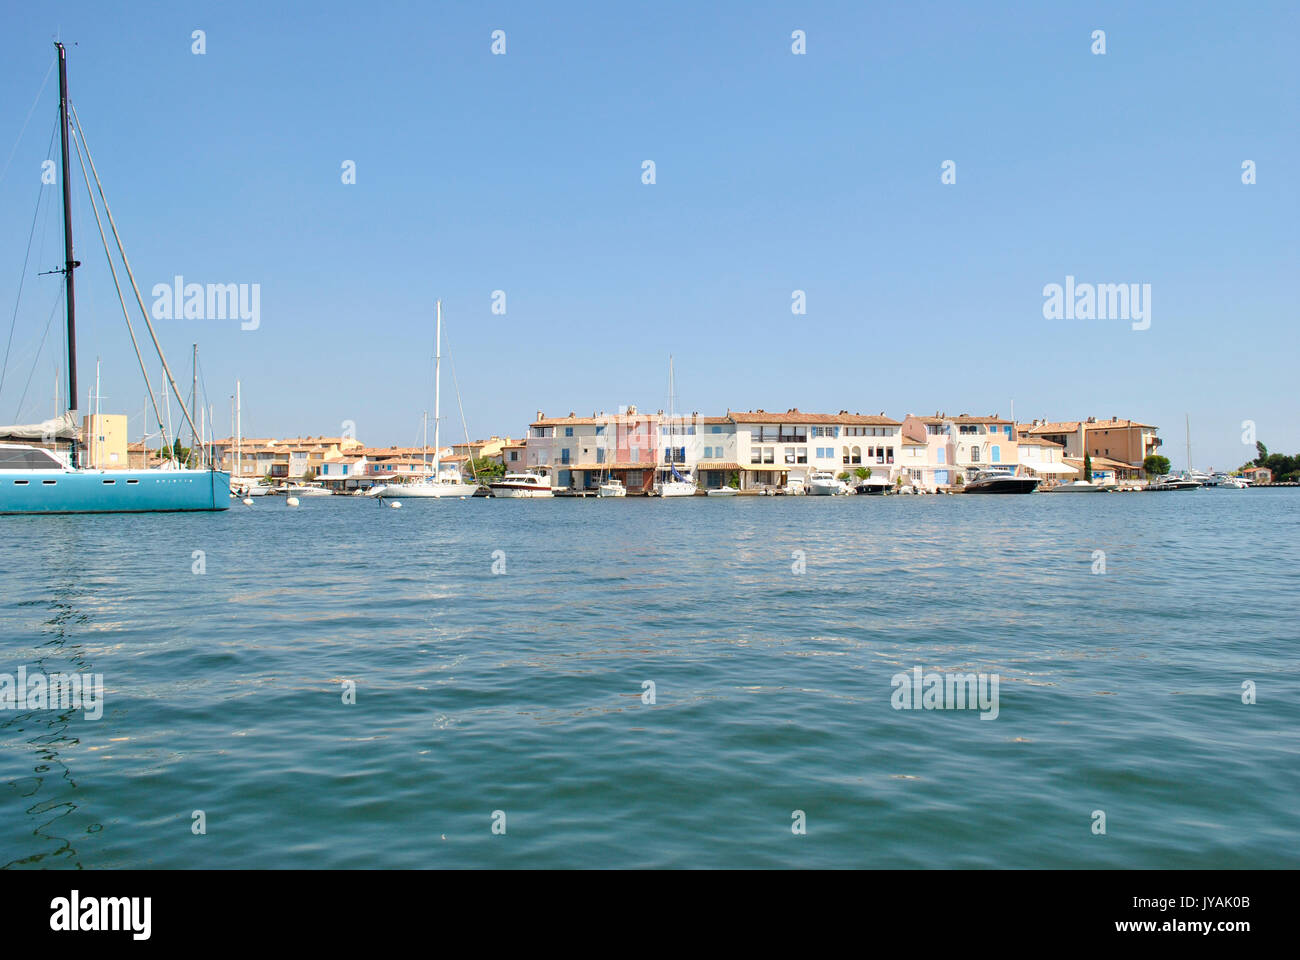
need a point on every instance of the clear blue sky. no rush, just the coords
(775, 172)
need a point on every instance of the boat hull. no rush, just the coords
(426, 491)
(608, 490)
(822, 489)
(520, 492)
(1003, 485)
(113, 491)
(674, 488)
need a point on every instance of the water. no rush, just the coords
(521, 691)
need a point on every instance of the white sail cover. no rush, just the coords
(57, 428)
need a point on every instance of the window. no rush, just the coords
(769, 455)
(514, 456)
(600, 430)
(995, 453)
(600, 455)
(715, 429)
(940, 455)
(856, 455)
(756, 455)
(968, 429)
(568, 431)
(845, 455)
(975, 453)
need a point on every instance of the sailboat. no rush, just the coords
(672, 483)
(36, 479)
(442, 483)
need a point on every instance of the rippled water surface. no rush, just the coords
(521, 691)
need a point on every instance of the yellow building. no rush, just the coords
(104, 441)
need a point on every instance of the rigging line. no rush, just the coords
(30, 111)
(130, 274)
(126, 314)
(22, 278)
(53, 310)
(469, 449)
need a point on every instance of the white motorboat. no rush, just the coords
(1234, 483)
(823, 483)
(521, 486)
(1174, 482)
(873, 486)
(723, 492)
(249, 487)
(1076, 486)
(448, 483)
(307, 490)
(999, 481)
(612, 488)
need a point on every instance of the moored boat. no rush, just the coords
(999, 481)
(823, 483)
(521, 486)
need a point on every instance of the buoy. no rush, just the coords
(248, 501)
(395, 504)
(291, 502)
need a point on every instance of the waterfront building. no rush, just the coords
(1127, 441)
(578, 452)
(1105, 470)
(773, 448)
(1045, 459)
(954, 446)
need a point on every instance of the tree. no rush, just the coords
(862, 473)
(309, 475)
(1262, 452)
(1087, 467)
(485, 469)
(734, 480)
(844, 476)
(1155, 465)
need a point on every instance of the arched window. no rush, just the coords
(846, 454)
(857, 455)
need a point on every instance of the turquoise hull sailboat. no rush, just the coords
(37, 479)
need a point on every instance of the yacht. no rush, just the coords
(1076, 486)
(823, 483)
(441, 483)
(723, 492)
(612, 488)
(1234, 483)
(306, 490)
(674, 484)
(521, 486)
(35, 479)
(1173, 481)
(999, 481)
(873, 486)
(249, 487)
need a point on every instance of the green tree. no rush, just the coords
(862, 473)
(844, 476)
(1155, 465)
(309, 475)
(485, 469)
(1262, 454)
(1087, 467)
(734, 480)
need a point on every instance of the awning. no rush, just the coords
(1050, 468)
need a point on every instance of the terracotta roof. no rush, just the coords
(797, 417)
(1039, 442)
(963, 418)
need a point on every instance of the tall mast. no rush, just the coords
(1188, 419)
(69, 264)
(239, 436)
(437, 390)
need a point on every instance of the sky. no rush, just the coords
(774, 172)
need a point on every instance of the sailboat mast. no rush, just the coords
(437, 389)
(1188, 419)
(239, 436)
(69, 264)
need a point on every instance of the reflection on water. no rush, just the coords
(769, 627)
